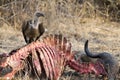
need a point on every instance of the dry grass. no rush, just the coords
(78, 22)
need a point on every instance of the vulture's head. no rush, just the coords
(39, 14)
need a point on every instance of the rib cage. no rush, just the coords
(49, 56)
(52, 52)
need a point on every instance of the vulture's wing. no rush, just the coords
(41, 30)
(25, 26)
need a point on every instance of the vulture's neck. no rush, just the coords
(35, 22)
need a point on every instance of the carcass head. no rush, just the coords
(4, 67)
(3, 59)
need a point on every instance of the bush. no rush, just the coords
(15, 12)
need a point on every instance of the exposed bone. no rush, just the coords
(49, 58)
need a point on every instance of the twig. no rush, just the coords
(5, 21)
(10, 3)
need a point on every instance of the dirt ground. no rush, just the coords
(103, 36)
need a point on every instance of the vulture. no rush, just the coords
(33, 29)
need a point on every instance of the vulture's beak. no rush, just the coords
(39, 14)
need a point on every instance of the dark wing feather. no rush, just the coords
(25, 26)
(41, 30)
